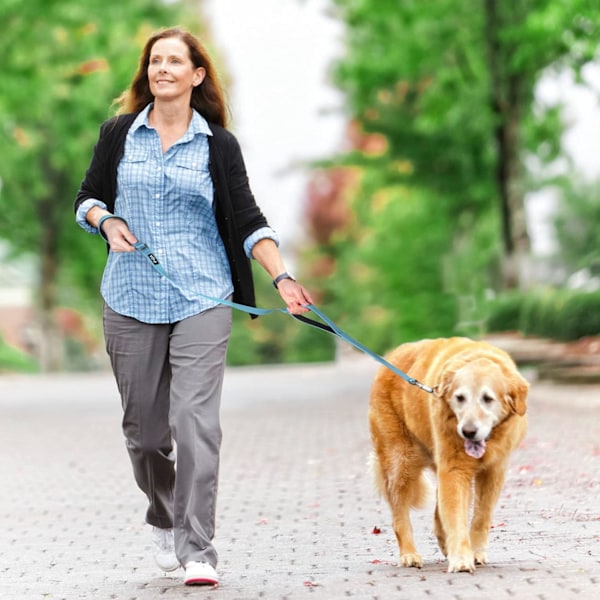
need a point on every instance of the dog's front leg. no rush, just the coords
(409, 557)
(454, 496)
(488, 485)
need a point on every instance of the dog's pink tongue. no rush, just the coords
(475, 449)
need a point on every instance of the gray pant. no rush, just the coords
(170, 379)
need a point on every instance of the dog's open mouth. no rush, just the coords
(475, 449)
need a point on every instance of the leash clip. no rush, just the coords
(422, 386)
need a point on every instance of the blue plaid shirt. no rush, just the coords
(167, 199)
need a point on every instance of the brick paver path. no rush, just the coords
(297, 509)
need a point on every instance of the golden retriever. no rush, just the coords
(464, 431)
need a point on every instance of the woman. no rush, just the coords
(166, 171)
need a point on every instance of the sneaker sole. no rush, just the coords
(201, 581)
(170, 569)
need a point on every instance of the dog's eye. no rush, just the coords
(488, 399)
(460, 398)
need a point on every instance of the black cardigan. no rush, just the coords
(236, 211)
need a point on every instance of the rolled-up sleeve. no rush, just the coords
(260, 234)
(82, 211)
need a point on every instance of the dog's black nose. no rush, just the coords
(469, 431)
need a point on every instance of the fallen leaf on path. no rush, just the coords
(378, 561)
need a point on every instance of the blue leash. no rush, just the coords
(329, 327)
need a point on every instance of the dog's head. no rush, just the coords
(481, 391)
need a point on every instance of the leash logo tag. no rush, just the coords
(153, 259)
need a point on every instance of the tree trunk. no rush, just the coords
(51, 347)
(50, 341)
(506, 99)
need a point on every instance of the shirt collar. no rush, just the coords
(198, 124)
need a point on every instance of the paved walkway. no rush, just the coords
(297, 510)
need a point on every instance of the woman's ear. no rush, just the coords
(199, 76)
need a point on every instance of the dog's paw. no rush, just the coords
(411, 560)
(461, 564)
(480, 557)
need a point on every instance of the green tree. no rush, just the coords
(449, 88)
(578, 225)
(64, 62)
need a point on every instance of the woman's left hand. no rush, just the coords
(295, 296)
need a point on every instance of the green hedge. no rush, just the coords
(557, 314)
(504, 313)
(14, 361)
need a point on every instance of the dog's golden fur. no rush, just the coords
(464, 431)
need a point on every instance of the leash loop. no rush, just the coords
(328, 325)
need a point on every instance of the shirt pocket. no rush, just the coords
(134, 170)
(193, 179)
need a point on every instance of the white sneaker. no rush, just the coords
(200, 573)
(164, 549)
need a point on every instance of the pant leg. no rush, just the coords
(197, 354)
(139, 355)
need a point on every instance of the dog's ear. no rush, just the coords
(517, 393)
(441, 390)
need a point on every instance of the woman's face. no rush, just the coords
(171, 73)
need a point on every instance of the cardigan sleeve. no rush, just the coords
(247, 214)
(92, 187)
(100, 181)
(236, 211)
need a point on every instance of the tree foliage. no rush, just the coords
(578, 225)
(449, 88)
(64, 61)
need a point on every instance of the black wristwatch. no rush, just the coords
(281, 277)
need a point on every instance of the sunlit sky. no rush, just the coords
(581, 141)
(285, 110)
(278, 54)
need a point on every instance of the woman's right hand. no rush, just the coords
(115, 230)
(120, 238)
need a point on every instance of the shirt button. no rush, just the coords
(158, 223)
(157, 195)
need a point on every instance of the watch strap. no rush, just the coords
(284, 275)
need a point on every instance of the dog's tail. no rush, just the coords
(418, 492)
(374, 467)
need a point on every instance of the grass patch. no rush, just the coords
(13, 360)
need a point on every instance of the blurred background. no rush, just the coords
(432, 168)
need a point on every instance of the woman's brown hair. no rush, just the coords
(207, 98)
